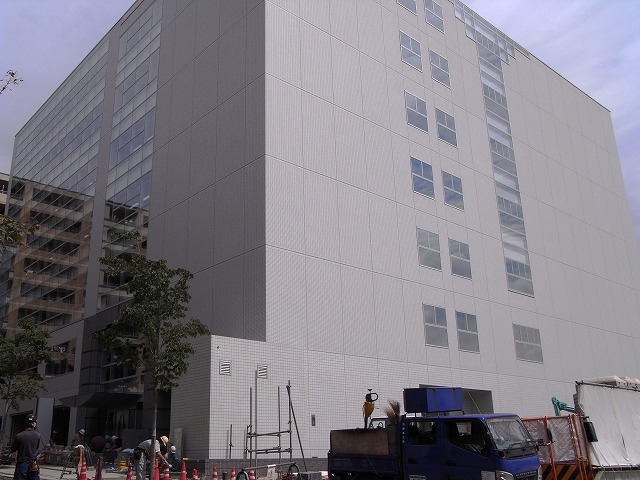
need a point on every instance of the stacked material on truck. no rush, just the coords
(613, 406)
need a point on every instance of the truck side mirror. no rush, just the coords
(590, 432)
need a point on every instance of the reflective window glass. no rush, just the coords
(452, 190)
(409, 5)
(460, 259)
(428, 249)
(467, 332)
(433, 14)
(435, 326)
(410, 51)
(528, 343)
(422, 177)
(439, 68)
(416, 111)
(446, 127)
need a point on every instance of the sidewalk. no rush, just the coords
(52, 472)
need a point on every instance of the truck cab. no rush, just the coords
(477, 447)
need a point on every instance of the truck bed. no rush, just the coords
(362, 450)
(381, 465)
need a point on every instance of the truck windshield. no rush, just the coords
(509, 432)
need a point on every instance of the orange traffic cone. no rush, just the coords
(183, 473)
(130, 472)
(233, 473)
(98, 469)
(195, 475)
(83, 470)
(156, 471)
(214, 475)
(166, 476)
(252, 475)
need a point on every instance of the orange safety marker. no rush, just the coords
(156, 471)
(98, 469)
(195, 475)
(183, 473)
(130, 472)
(166, 476)
(214, 475)
(252, 475)
(233, 473)
(83, 470)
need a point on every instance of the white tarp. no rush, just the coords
(615, 414)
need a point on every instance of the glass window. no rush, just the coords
(528, 343)
(416, 111)
(422, 433)
(446, 127)
(439, 68)
(468, 435)
(435, 326)
(410, 51)
(519, 276)
(422, 175)
(409, 5)
(452, 190)
(428, 249)
(467, 332)
(460, 259)
(433, 13)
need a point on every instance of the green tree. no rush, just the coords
(13, 232)
(155, 314)
(19, 357)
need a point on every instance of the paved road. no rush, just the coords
(51, 472)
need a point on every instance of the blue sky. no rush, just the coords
(593, 43)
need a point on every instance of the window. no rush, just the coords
(460, 260)
(446, 127)
(435, 326)
(422, 175)
(452, 190)
(409, 5)
(410, 51)
(467, 332)
(428, 249)
(422, 433)
(433, 12)
(468, 435)
(416, 111)
(439, 68)
(519, 276)
(528, 344)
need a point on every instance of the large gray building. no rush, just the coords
(372, 194)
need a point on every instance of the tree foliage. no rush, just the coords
(155, 313)
(19, 357)
(10, 78)
(13, 232)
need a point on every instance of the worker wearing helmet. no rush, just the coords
(173, 458)
(25, 448)
(144, 450)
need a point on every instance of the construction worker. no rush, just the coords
(173, 458)
(25, 448)
(77, 443)
(143, 450)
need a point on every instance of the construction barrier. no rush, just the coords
(564, 455)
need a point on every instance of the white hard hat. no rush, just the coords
(173, 449)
